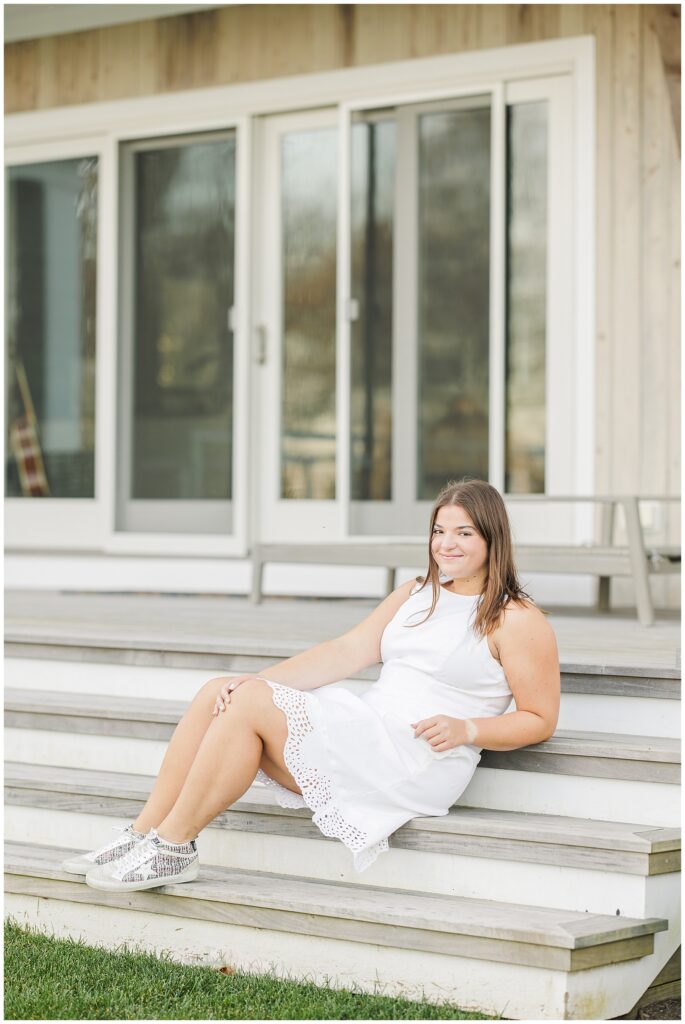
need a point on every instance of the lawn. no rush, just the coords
(60, 979)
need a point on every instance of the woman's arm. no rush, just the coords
(340, 658)
(528, 653)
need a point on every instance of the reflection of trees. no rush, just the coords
(308, 401)
(454, 253)
(86, 212)
(526, 297)
(309, 294)
(185, 244)
(184, 348)
(373, 201)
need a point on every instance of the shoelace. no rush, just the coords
(136, 856)
(110, 846)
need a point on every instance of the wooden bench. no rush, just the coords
(603, 559)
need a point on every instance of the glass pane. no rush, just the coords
(308, 205)
(184, 245)
(52, 244)
(526, 297)
(453, 289)
(373, 199)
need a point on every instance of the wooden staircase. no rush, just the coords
(550, 891)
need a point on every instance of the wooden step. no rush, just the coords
(155, 671)
(465, 832)
(597, 755)
(616, 704)
(479, 929)
(228, 634)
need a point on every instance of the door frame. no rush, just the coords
(276, 518)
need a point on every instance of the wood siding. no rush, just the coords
(638, 159)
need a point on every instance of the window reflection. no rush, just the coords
(453, 288)
(51, 306)
(308, 205)
(184, 238)
(526, 297)
(373, 202)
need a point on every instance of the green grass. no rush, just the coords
(61, 979)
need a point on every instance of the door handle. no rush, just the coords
(260, 347)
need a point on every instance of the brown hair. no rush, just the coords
(488, 513)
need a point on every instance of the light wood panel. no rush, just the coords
(464, 832)
(131, 627)
(568, 752)
(561, 939)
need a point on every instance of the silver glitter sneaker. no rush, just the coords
(150, 863)
(119, 847)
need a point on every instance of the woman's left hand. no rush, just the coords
(442, 732)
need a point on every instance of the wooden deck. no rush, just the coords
(280, 627)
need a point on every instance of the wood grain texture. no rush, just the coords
(473, 947)
(607, 755)
(448, 916)
(135, 629)
(465, 831)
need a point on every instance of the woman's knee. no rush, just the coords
(210, 690)
(251, 691)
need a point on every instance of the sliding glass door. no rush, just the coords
(449, 355)
(420, 333)
(176, 452)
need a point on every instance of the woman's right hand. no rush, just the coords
(224, 695)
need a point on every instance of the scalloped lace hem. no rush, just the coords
(316, 785)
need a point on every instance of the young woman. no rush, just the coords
(454, 653)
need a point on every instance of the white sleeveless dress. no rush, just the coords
(355, 758)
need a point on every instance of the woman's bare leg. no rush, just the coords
(183, 748)
(227, 760)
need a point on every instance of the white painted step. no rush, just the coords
(604, 867)
(650, 803)
(596, 775)
(517, 961)
(645, 703)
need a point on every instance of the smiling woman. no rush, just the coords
(363, 764)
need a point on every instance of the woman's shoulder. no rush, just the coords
(522, 619)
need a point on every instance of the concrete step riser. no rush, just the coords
(629, 716)
(580, 711)
(543, 885)
(651, 803)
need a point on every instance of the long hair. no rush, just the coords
(488, 513)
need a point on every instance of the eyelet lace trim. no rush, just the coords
(316, 785)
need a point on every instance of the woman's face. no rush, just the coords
(458, 548)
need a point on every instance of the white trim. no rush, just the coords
(404, 396)
(62, 132)
(241, 337)
(343, 359)
(53, 523)
(279, 518)
(107, 347)
(497, 327)
(585, 154)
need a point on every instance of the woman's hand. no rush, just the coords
(442, 732)
(224, 695)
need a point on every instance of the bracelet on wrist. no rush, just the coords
(471, 730)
